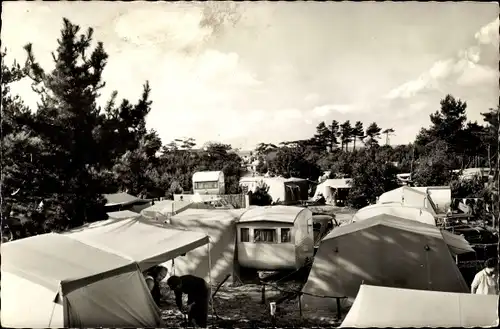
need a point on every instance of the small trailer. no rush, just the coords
(208, 182)
(275, 238)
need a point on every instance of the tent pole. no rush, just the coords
(210, 279)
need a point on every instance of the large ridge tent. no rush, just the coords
(147, 242)
(395, 209)
(383, 250)
(384, 307)
(220, 226)
(54, 281)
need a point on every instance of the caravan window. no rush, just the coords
(206, 185)
(245, 235)
(264, 235)
(286, 235)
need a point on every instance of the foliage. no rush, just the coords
(372, 175)
(295, 161)
(372, 135)
(435, 168)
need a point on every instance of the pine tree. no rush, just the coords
(66, 122)
(346, 134)
(322, 136)
(373, 134)
(387, 132)
(358, 132)
(334, 134)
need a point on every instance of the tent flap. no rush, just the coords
(457, 244)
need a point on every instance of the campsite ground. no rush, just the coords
(241, 307)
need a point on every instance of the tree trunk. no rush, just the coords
(354, 144)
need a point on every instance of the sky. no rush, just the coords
(244, 73)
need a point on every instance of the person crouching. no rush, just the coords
(153, 278)
(198, 297)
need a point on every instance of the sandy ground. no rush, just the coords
(241, 307)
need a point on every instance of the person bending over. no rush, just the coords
(198, 297)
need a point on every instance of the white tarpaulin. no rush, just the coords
(383, 307)
(145, 241)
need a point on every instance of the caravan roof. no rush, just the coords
(283, 214)
(206, 176)
(420, 308)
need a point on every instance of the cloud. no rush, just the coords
(488, 34)
(324, 110)
(312, 97)
(463, 69)
(252, 72)
(288, 114)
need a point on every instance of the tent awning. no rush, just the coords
(147, 242)
(394, 307)
(457, 244)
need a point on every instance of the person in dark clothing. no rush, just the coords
(198, 297)
(153, 278)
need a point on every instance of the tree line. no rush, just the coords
(451, 143)
(59, 158)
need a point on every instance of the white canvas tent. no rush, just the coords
(147, 242)
(383, 250)
(409, 196)
(54, 281)
(220, 226)
(383, 307)
(163, 210)
(122, 214)
(396, 209)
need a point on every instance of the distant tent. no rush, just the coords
(122, 201)
(55, 281)
(163, 210)
(383, 250)
(383, 307)
(409, 196)
(281, 189)
(220, 226)
(123, 214)
(396, 209)
(147, 242)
